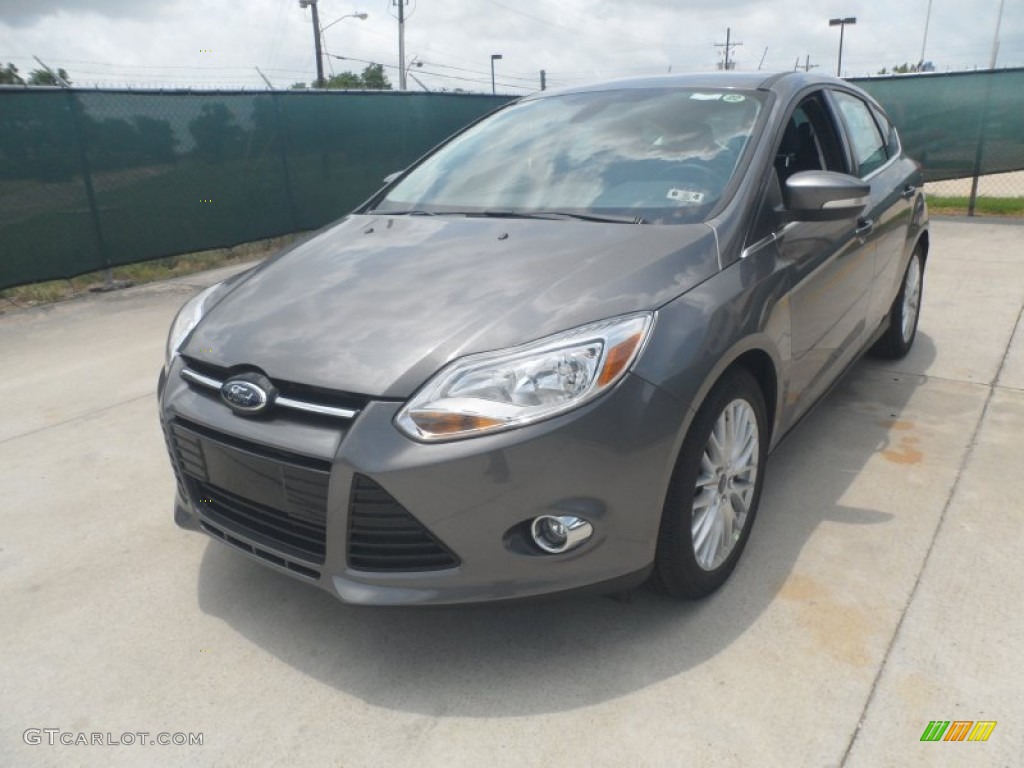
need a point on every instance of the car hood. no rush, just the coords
(376, 304)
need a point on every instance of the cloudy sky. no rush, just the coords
(219, 43)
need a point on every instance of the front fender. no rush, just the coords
(743, 310)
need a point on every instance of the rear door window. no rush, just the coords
(868, 147)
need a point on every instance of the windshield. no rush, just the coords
(661, 155)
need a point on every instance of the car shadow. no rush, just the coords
(561, 654)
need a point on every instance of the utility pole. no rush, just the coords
(260, 73)
(728, 45)
(401, 45)
(56, 77)
(543, 80)
(995, 40)
(927, 21)
(807, 64)
(320, 83)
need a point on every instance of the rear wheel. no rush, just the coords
(903, 315)
(715, 490)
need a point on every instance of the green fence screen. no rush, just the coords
(957, 124)
(91, 179)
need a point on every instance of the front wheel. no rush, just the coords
(715, 490)
(903, 315)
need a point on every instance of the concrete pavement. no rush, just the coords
(880, 591)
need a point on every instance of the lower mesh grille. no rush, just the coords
(263, 554)
(300, 538)
(383, 536)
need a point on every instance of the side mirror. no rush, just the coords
(823, 196)
(392, 176)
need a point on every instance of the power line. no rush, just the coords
(419, 71)
(479, 72)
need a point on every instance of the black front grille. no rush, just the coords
(383, 536)
(224, 476)
(285, 533)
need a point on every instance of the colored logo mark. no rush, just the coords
(958, 730)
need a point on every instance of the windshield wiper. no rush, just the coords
(561, 215)
(403, 213)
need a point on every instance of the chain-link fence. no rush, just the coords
(91, 179)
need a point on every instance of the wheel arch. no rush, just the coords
(761, 366)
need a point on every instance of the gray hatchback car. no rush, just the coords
(557, 351)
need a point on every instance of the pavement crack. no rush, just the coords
(1009, 346)
(78, 417)
(968, 453)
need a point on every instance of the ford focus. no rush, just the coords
(556, 352)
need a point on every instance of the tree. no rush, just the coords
(346, 81)
(373, 78)
(298, 86)
(42, 77)
(9, 75)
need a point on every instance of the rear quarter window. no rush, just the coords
(889, 135)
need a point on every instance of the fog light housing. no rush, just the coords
(557, 534)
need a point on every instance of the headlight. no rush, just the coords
(187, 319)
(500, 390)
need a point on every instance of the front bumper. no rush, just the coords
(608, 461)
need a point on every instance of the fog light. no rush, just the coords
(560, 534)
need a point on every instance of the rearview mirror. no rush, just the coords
(392, 176)
(823, 196)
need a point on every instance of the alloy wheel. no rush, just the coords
(911, 298)
(725, 484)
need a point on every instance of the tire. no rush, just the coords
(905, 312)
(705, 494)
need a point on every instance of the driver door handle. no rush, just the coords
(908, 191)
(864, 228)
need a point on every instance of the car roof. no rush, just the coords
(782, 83)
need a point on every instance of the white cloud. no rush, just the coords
(166, 43)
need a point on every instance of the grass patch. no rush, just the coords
(144, 272)
(985, 206)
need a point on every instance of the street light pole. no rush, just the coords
(494, 57)
(841, 23)
(318, 33)
(323, 30)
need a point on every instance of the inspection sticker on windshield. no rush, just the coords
(733, 98)
(706, 96)
(685, 196)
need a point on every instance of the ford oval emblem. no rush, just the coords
(244, 396)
